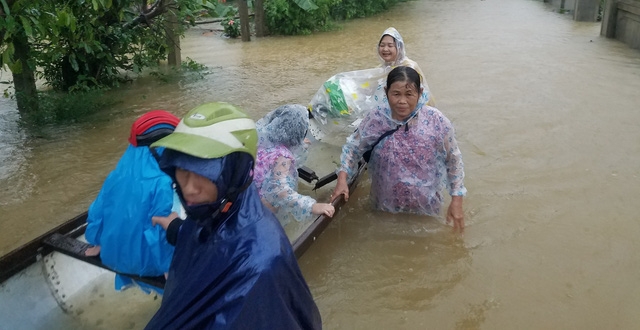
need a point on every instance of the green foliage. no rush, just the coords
(11, 28)
(600, 11)
(89, 55)
(81, 45)
(348, 9)
(192, 66)
(299, 17)
(230, 24)
(286, 17)
(218, 9)
(189, 71)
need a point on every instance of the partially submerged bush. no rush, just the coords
(62, 107)
(58, 107)
(291, 17)
(231, 27)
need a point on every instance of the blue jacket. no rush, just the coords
(119, 219)
(243, 275)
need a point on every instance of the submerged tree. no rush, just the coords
(85, 44)
(16, 53)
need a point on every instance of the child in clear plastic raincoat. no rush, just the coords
(411, 166)
(345, 98)
(119, 220)
(282, 148)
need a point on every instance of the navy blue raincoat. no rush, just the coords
(243, 275)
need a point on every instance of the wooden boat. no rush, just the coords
(49, 284)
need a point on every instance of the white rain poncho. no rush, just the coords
(281, 149)
(344, 99)
(410, 168)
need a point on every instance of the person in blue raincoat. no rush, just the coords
(233, 267)
(119, 219)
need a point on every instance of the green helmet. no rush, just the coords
(213, 130)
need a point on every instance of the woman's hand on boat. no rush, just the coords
(455, 214)
(323, 208)
(342, 188)
(164, 221)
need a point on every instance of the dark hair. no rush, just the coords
(395, 43)
(403, 73)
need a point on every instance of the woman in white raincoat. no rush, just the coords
(282, 147)
(392, 53)
(345, 98)
(410, 166)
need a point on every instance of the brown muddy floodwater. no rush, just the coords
(546, 114)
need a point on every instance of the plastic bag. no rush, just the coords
(342, 102)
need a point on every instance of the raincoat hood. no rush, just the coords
(231, 174)
(402, 56)
(386, 108)
(285, 126)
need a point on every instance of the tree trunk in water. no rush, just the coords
(243, 10)
(23, 76)
(261, 28)
(173, 38)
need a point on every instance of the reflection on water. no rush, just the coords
(13, 156)
(546, 116)
(388, 267)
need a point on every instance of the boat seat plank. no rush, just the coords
(76, 248)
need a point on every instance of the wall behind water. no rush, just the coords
(628, 23)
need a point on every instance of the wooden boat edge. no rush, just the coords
(304, 241)
(27, 254)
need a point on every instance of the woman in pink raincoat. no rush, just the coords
(282, 148)
(418, 158)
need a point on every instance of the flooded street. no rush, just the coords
(546, 115)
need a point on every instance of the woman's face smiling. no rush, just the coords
(196, 189)
(387, 49)
(403, 97)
